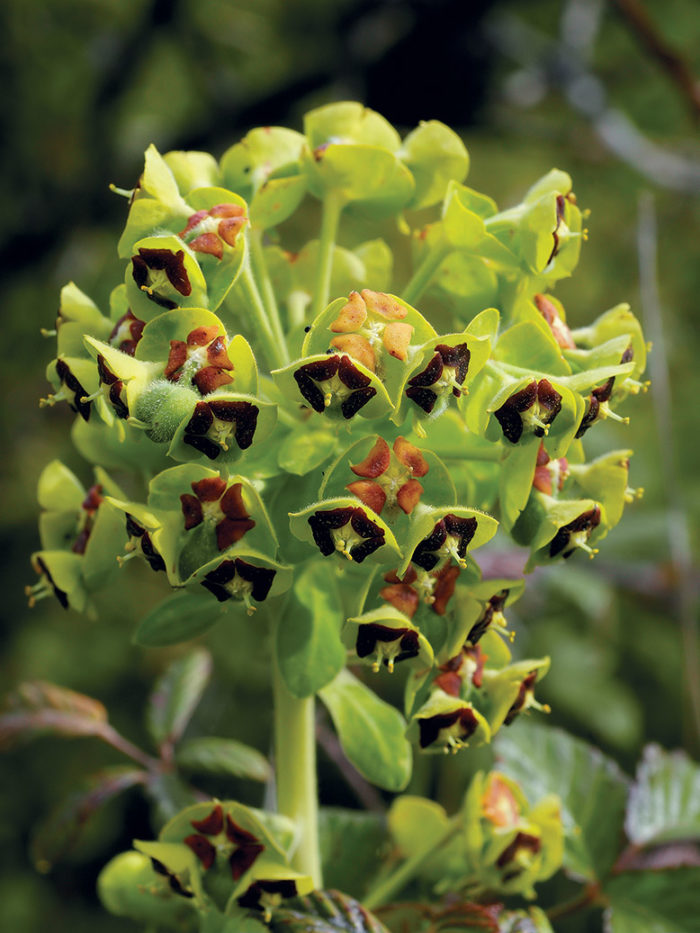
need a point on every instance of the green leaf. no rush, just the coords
(59, 488)
(351, 848)
(435, 155)
(416, 824)
(592, 789)
(371, 732)
(176, 695)
(58, 834)
(177, 618)
(304, 450)
(664, 802)
(222, 756)
(349, 121)
(654, 902)
(325, 912)
(309, 649)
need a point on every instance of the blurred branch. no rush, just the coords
(677, 521)
(559, 64)
(675, 67)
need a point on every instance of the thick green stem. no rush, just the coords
(295, 770)
(262, 328)
(391, 886)
(423, 275)
(332, 208)
(262, 277)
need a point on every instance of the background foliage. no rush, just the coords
(94, 81)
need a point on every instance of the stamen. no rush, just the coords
(131, 553)
(47, 333)
(632, 494)
(342, 545)
(419, 429)
(40, 590)
(84, 399)
(124, 192)
(451, 548)
(327, 398)
(606, 412)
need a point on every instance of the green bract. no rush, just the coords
(383, 436)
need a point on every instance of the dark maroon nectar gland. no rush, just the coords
(443, 376)
(157, 272)
(492, 618)
(449, 538)
(236, 578)
(387, 645)
(127, 333)
(44, 587)
(334, 381)
(525, 699)
(529, 411)
(346, 530)
(71, 391)
(576, 535)
(140, 544)
(215, 425)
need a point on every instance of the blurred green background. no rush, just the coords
(581, 85)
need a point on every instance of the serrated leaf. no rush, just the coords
(664, 802)
(654, 902)
(352, 843)
(222, 756)
(325, 912)
(58, 834)
(591, 787)
(371, 732)
(177, 618)
(309, 649)
(176, 696)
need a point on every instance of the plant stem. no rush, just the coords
(330, 218)
(257, 258)
(264, 333)
(110, 735)
(392, 885)
(295, 772)
(423, 275)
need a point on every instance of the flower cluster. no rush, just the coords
(355, 422)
